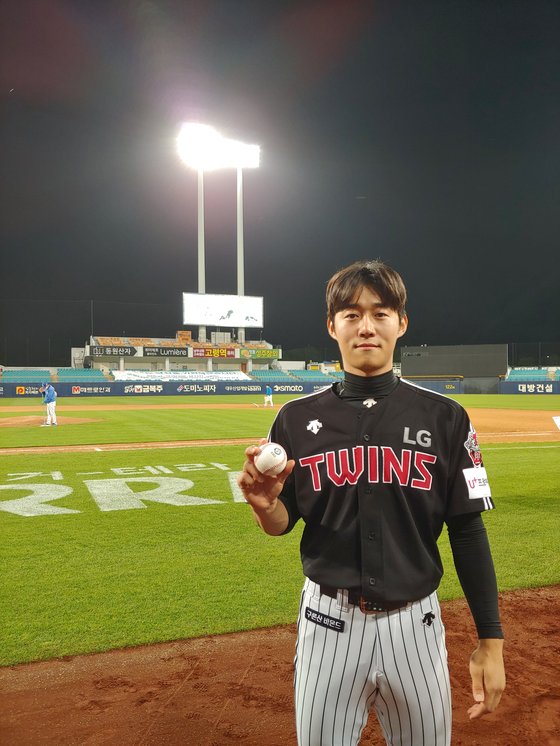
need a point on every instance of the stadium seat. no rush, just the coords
(26, 375)
(272, 375)
(529, 374)
(312, 376)
(80, 374)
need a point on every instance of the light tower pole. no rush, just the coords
(240, 248)
(201, 147)
(200, 243)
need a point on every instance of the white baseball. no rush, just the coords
(271, 459)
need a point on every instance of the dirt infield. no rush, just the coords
(514, 425)
(237, 689)
(34, 421)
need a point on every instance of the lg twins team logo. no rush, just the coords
(473, 449)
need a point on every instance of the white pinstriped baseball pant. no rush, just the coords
(51, 413)
(395, 662)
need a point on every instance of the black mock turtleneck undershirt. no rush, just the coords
(355, 389)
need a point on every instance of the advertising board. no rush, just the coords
(77, 390)
(530, 387)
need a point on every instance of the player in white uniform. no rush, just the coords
(377, 466)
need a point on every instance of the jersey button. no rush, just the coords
(366, 437)
(371, 535)
(372, 581)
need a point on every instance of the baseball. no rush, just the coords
(271, 459)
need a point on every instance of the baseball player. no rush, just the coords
(268, 396)
(376, 467)
(49, 399)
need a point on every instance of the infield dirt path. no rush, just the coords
(237, 689)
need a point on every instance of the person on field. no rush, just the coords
(268, 396)
(376, 467)
(49, 400)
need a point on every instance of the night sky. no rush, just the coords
(424, 133)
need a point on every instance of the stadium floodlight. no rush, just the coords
(202, 148)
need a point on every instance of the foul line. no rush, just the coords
(517, 448)
(516, 433)
(128, 446)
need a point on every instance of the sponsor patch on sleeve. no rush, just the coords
(330, 622)
(477, 483)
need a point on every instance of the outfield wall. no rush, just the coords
(529, 387)
(163, 388)
(191, 388)
(481, 385)
(439, 385)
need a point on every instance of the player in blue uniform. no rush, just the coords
(49, 399)
(268, 396)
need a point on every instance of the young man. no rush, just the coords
(49, 399)
(376, 467)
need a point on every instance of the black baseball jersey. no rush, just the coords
(375, 485)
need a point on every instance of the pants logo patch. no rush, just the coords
(428, 619)
(323, 620)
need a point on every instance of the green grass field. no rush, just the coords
(109, 549)
(135, 423)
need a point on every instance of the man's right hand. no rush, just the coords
(261, 492)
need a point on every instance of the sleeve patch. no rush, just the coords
(477, 483)
(472, 447)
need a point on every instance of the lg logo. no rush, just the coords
(422, 438)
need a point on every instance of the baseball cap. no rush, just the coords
(44, 384)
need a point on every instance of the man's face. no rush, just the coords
(367, 332)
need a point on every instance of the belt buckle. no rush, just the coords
(366, 606)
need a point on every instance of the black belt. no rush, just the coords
(355, 598)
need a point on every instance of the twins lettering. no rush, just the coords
(379, 463)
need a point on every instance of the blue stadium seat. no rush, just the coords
(529, 374)
(312, 376)
(80, 374)
(271, 375)
(29, 375)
